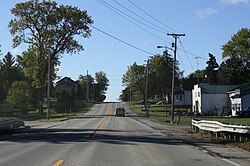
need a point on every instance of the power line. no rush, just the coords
(121, 13)
(151, 16)
(186, 55)
(126, 43)
(114, 8)
(131, 21)
(139, 16)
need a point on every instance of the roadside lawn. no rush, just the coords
(53, 116)
(153, 111)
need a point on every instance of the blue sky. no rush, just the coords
(208, 24)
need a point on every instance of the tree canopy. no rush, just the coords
(160, 69)
(49, 30)
(10, 71)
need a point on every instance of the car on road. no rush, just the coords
(119, 111)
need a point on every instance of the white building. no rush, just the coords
(210, 99)
(240, 98)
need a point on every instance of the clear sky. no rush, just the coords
(208, 24)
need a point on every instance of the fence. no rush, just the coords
(230, 132)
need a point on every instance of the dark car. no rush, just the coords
(245, 113)
(120, 111)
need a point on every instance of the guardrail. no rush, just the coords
(215, 126)
(10, 124)
(230, 132)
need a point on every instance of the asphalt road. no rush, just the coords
(100, 139)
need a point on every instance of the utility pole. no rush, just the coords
(146, 90)
(87, 88)
(175, 36)
(48, 92)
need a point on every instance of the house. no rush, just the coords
(211, 99)
(68, 82)
(240, 98)
(183, 95)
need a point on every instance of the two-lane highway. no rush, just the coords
(99, 138)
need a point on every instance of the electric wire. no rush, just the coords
(131, 21)
(152, 16)
(124, 42)
(186, 54)
(114, 8)
(139, 16)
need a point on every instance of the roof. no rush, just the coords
(189, 83)
(65, 79)
(240, 90)
(216, 89)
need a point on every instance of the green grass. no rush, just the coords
(238, 121)
(160, 110)
(53, 117)
(8, 118)
(169, 121)
(138, 111)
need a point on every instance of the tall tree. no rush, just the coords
(86, 81)
(236, 67)
(160, 74)
(134, 80)
(10, 71)
(232, 71)
(49, 30)
(211, 70)
(101, 85)
(65, 98)
(20, 96)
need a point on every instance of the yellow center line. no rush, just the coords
(101, 124)
(58, 163)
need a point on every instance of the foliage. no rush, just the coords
(211, 70)
(101, 86)
(197, 74)
(160, 74)
(160, 69)
(65, 98)
(236, 67)
(20, 96)
(232, 71)
(134, 80)
(49, 31)
(10, 71)
(96, 89)
(86, 81)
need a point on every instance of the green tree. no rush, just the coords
(86, 81)
(211, 70)
(20, 96)
(49, 32)
(160, 74)
(10, 71)
(65, 99)
(101, 85)
(236, 67)
(134, 80)
(197, 74)
(233, 72)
